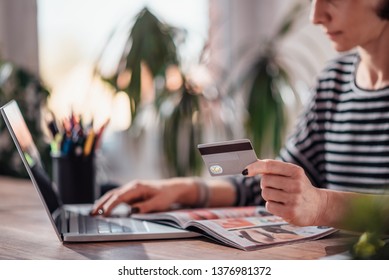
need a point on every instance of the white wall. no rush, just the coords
(18, 33)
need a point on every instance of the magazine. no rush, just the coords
(245, 228)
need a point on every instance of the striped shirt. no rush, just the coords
(341, 139)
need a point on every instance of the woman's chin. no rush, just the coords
(341, 47)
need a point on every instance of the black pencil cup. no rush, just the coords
(74, 177)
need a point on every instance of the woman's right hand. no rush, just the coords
(148, 195)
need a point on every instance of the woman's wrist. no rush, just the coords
(198, 192)
(187, 190)
(321, 216)
(334, 207)
(203, 193)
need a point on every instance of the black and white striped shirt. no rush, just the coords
(341, 139)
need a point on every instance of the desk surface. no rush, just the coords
(26, 233)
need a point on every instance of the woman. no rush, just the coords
(340, 147)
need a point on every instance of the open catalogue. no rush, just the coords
(245, 228)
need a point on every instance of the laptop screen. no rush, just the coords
(30, 155)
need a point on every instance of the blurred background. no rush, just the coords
(167, 74)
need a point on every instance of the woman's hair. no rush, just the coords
(383, 9)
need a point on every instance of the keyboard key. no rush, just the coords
(73, 222)
(103, 227)
(116, 228)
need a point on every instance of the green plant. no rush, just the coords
(151, 47)
(182, 131)
(150, 43)
(266, 79)
(369, 216)
(31, 95)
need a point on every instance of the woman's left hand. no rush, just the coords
(289, 193)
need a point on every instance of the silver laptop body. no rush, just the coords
(72, 223)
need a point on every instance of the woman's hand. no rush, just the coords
(148, 196)
(289, 193)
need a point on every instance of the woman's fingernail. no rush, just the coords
(245, 172)
(100, 211)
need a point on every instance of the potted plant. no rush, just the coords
(31, 95)
(369, 218)
(150, 53)
(263, 84)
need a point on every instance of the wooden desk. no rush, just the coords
(26, 233)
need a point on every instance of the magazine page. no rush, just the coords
(252, 233)
(182, 217)
(246, 228)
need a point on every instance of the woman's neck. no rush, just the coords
(373, 69)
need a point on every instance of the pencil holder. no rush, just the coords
(74, 177)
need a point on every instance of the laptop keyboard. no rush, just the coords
(81, 223)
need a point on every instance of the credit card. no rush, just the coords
(227, 157)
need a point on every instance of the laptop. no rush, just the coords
(72, 223)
